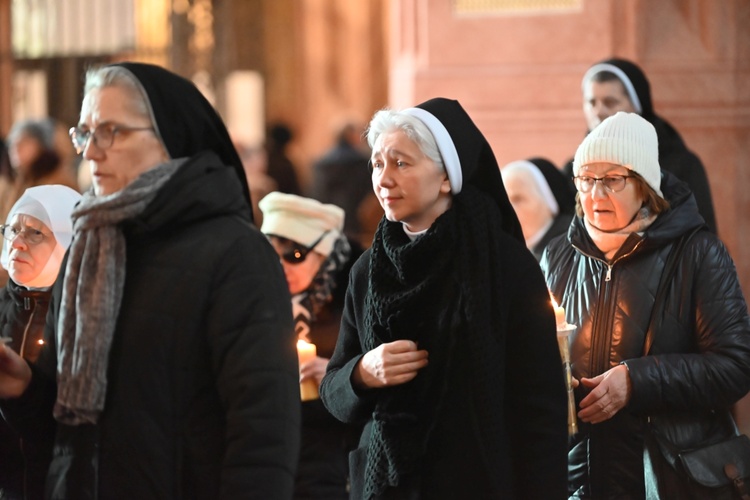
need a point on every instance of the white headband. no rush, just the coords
(598, 68)
(445, 146)
(539, 180)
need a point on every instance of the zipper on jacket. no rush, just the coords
(29, 322)
(602, 325)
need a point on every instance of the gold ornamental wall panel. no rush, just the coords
(500, 7)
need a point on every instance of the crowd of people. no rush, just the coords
(175, 331)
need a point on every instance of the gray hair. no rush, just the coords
(43, 131)
(117, 76)
(388, 120)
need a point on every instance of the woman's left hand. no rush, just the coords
(313, 370)
(610, 393)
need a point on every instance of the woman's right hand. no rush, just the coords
(15, 373)
(390, 364)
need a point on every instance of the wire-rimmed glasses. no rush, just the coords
(103, 135)
(28, 234)
(612, 183)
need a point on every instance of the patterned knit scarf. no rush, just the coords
(407, 281)
(307, 304)
(92, 291)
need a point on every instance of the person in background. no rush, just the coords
(169, 367)
(447, 352)
(279, 165)
(261, 184)
(341, 177)
(540, 196)
(316, 257)
(605, 273)
(614, 85)
(36, 235)
(34, 160)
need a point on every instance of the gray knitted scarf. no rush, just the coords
(92, 292)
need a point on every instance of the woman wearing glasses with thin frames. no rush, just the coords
(316, 257)
(36, 235)
(606, 273)
(169, 369)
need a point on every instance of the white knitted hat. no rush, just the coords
(625, 139)
(302, 220)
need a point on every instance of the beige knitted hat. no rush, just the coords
(303, 220)
(625, 139)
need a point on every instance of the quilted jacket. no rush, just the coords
(700, 357)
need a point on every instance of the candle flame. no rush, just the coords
(552, 299)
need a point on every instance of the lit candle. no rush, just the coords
(559, 314)
(309, 388)
(563, 343)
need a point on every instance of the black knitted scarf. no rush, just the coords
(437, 291)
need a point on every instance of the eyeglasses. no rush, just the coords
(612, 183)
(29, 234)
(298, 253)
(103, 135)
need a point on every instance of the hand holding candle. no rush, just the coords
(309, 388)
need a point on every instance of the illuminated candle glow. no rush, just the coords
(559, 314)
(309, 388)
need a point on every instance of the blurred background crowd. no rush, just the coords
(296, 82)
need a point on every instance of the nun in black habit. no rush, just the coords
(447, 351)
(169, 368)
(540, 196)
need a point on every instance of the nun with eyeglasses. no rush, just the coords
(169, 367)
(36, 235)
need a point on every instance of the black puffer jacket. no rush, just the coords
(202, 389)
(700, 358)
(22, 318)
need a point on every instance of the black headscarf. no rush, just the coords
(637, 79)
(478, 163)
(185, 121)
(557, 183)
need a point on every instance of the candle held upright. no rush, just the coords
(309, 388)
(563, 343)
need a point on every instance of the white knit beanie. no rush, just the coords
(625, 139)
(302, 220)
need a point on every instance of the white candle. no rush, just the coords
(563, 343)
(559, 314)
(309, 388)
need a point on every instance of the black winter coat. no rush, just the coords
(202, 390)
(559, 226)
(699, 361)
(456, 464)
(23, 466)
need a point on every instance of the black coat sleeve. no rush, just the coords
(337, 391)
(717, 373)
